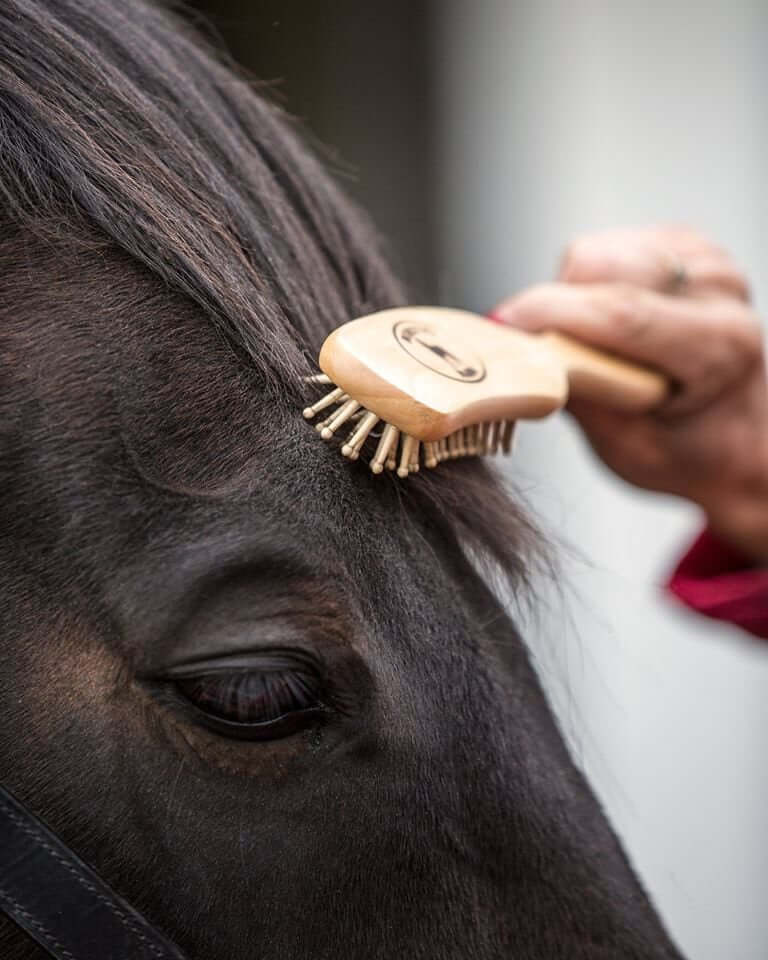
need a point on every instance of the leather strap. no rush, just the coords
(61, 902)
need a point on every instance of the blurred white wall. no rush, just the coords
(557, 117)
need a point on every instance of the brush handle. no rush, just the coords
(605, 378)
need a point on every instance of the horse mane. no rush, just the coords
(120, 120)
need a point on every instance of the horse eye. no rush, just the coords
(252, 704)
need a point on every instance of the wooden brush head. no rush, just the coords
(447, 383)
(431, 371)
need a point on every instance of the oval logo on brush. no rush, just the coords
(433, 349)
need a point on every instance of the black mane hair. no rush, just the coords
(118, 121)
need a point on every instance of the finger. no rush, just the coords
(702, 345)
(666, 259)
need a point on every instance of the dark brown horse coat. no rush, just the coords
(270, 698)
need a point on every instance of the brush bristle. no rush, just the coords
(397, 451)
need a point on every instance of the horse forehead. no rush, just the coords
(128, 359)
(181, 380)
(124, 361)
(92, 324)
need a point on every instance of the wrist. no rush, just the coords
(742, 521)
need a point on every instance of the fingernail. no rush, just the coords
(497, 317)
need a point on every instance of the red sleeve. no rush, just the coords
(719, 581)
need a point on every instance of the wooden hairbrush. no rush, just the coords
(447, 383)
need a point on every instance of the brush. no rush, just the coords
(430, 384)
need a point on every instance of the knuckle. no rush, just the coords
(715, 369)
(723, 261)
(748, 335)
(721, 353)
(534, 303)
(739, 282)
(628, 310)
(688, 241)
(577, 260)
(717, 250)
(697, 238)
(684, 235)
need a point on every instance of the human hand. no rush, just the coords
(668, 298)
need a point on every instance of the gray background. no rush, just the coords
(555, 118)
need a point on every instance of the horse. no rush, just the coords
(278, 704)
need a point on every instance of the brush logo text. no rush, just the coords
(433, 349)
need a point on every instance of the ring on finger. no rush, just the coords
(677, 279)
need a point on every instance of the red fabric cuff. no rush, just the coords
(719, 581)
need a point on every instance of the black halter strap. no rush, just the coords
(61, 902)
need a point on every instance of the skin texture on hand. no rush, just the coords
(670, 299)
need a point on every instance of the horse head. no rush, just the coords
(272, 700)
